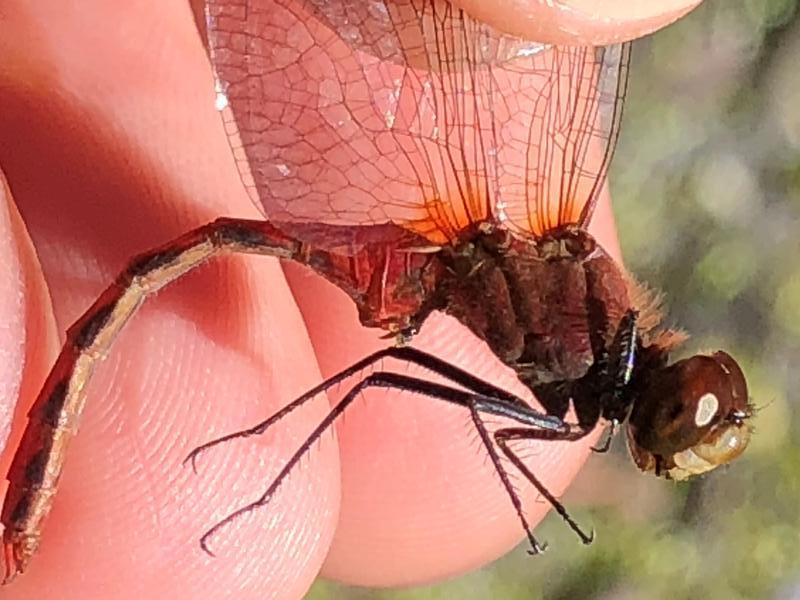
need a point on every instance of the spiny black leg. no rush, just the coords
(609, 435)
(405, 354)
(459, 397)
(503, 436)
(498, 465)
(455, 374)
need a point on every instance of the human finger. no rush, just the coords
(112, 146)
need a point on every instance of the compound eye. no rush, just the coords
(691, 417)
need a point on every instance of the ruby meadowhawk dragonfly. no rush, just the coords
(423, 162)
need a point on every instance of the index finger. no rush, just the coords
(112, 145)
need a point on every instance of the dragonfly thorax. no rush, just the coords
(546, 308)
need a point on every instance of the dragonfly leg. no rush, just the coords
(499, 397)
(503, 436)
(475, 402)
(486, 438)
(605, 446)
(55, 415)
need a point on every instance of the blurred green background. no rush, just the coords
(706, 186)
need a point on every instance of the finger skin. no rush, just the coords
(115, 149)
(578, 22)
(111, 146)
(28, 337)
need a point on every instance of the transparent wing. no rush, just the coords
(409, 112)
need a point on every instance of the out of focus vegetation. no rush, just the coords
(706, 185)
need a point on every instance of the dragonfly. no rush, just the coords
(423, 162)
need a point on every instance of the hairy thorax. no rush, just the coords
(545, 308)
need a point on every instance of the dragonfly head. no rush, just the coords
(690, 417)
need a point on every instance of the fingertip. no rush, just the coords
(28, 336)
(577, 22)
(210, 354)
(603, 226)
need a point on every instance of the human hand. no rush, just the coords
(111, 146)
